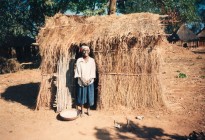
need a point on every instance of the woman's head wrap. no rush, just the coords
(84, 47)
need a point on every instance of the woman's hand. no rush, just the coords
(89, 81)
(84, 82)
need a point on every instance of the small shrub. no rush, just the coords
(203, 76)
(182, 75)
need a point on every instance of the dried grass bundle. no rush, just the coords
(44, 100)
(9, 65)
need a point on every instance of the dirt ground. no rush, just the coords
(184, 100)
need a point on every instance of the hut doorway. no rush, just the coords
(66, 83)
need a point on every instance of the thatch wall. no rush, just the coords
(201, 37)
(124, 51)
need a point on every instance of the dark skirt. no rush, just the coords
(85, 95)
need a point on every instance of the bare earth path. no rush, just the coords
(184, 98)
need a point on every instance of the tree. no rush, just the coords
(200, 4)
(88, 7)
(25, 17)
(135, 6)
(22, 17)
(179, 11)
(112, 7)
(185, 9)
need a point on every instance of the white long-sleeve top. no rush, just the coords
(85, 70)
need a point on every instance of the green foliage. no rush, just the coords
(9, 19)
(89, 7)
(182, 75)
(200, 4)
(203, 76)
(185, 9)
(100, 11)
(23, 17)
(133, 6)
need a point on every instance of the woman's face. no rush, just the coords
(86, 52)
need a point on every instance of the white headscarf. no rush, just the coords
(85, 48)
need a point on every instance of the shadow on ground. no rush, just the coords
(26, 94)
(199, 52)
(134, 131)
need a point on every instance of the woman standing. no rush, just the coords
(85, 72)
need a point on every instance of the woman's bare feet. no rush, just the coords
(82, 113)
(88, 112)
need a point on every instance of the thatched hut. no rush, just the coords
(124, 48)
(201, 36)
(186, 37)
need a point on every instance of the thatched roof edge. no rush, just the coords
(202, 33)
(67, 30)
(185, 34)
